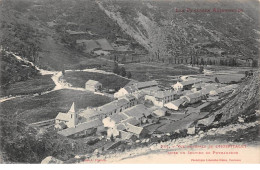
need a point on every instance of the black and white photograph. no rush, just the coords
(129, 81)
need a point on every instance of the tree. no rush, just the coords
(201, 61)
(255, 63)
(122, 72)
(123, 59)
(209, 62)
(116, 69)
(216, 80)
(246, 74)
(128, 74)
(201, 69)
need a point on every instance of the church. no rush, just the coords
(69, 119)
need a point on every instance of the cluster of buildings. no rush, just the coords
(89, 42)
(126, 116)
(98, 46)
(137, 89)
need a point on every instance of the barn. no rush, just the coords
(93, 85)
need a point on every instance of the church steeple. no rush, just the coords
(73, 116)
(72, 108)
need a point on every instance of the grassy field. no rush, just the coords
(79, 78)
(158, 71)
(44, 107)
(36, 85)
(229, 78)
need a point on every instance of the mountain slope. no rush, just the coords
(160, 29)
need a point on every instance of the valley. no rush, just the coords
(134, 75)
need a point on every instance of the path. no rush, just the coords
(57, 79)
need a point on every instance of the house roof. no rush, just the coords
(121, 126)
(121, 102)
(118, 117)
(63, 116)
(137, 111)
(133, 129)
(104, 44)
(162, 94)
(141, 85)
(92, 82)
(189, 82)
(108, 107)
(81, 127)
(131, 82)
(206, 89)
(159, 112)
(203, 105)
(129, 97)
(193, 95)
(66, 116)
(113, 105)
(90, 45)
(150, 89)
(89, 113)
(130, 88)
(139, 94)
(131, 120)
(177, 103)
(125, 135)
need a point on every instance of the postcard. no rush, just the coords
(129, 81)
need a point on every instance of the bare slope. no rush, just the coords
(160, 29)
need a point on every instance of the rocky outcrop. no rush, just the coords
(51, 160)
(245, 101)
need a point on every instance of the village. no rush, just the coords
(141, 109)
(144, 109)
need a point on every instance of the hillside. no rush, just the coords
(236, 122)
(170, 34)
(243, 103)
(13, 70)
(38, 31)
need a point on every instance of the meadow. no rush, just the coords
(38, 85)
(43, 107)
(108, 81)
